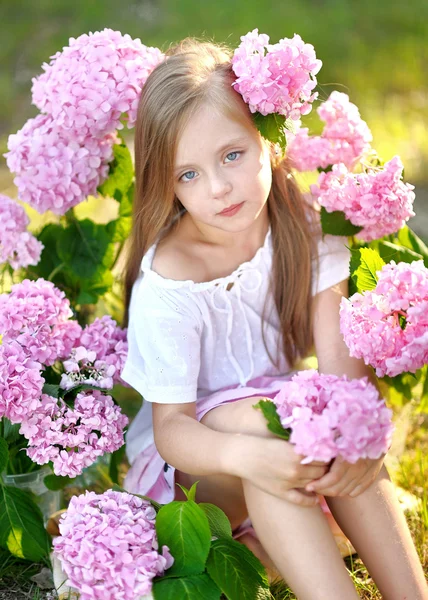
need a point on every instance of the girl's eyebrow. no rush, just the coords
(230, 143)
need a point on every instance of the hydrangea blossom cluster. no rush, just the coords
(345, 137)
(21, 382)
(37, 315)
(377, 200)
(99, 357)
(388, 326)
(93, 81)
(276, 78)
(108, 546)
(72, 437)
(53, 171)
(18, 247)
(331, 416)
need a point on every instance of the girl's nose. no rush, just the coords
(220, 185)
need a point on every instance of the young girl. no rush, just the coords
(231, 284)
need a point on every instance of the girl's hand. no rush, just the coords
(273, 465)
(346, 479)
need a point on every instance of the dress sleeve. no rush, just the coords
(333, 263)
(164, 332)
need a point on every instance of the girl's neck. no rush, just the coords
(250, 239)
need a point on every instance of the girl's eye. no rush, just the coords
(188, 176)
(232, 156)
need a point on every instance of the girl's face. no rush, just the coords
(222, 171)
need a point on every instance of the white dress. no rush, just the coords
(202, 342)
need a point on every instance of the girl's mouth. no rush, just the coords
(231, 210)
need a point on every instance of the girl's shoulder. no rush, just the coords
(172, 260)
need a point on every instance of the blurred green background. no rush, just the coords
(376, 51)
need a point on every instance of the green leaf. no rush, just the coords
(126, 202)
(121, 172)
(218, 522)
(56, 482)
(116, 459)
(365, 263)
(423, 405)
(50, 264)
(4, 455)
(268, 409)
(335, 223)
(21, 525)
(10, 431)
(119, 229)
(196, 587)
(86, 248)
(272, 127)
(389, 251)
(403, 384)
(408, 238)
(92, 289)
(184, 528)
(236, 571)
(190, 494)
(51, 390)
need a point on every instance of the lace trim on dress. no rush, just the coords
(146, 267)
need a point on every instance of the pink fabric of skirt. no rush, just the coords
(150, 476)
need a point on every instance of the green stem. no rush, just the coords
(117, 255)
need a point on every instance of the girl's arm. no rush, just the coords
(343, 479)
(196, 449)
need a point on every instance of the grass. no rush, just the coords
(408, 469)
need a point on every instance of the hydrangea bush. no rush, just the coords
(62, 352)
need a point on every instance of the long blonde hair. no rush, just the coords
(193, 73)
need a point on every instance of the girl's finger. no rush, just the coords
(361, 487)
(301, 498)
(350, 487)
(334, 490)
(332, 478)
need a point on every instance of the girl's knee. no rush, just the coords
(238, 417)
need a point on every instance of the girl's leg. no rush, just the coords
(377, 528)
(300, 543)
(298, 539)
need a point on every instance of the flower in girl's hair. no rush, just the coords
(37, 315)
(93, 81)
(345, 137)
(21, 382)
(108, 546)
(72, 437)
(54, 172)
(377, 200)
(276, 78)
(17, 246)
(331, 416)
(388, 326)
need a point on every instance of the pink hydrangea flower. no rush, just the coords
(377, 200)
(93, 81)
(345, 137)
(108, 546)
(21, 383)
(98, 357)
(37, 315)
(18, 247)
(332, 416)
(276, 78)
(388, 326)
(72, 437)
(53, 171)
(83, 367)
